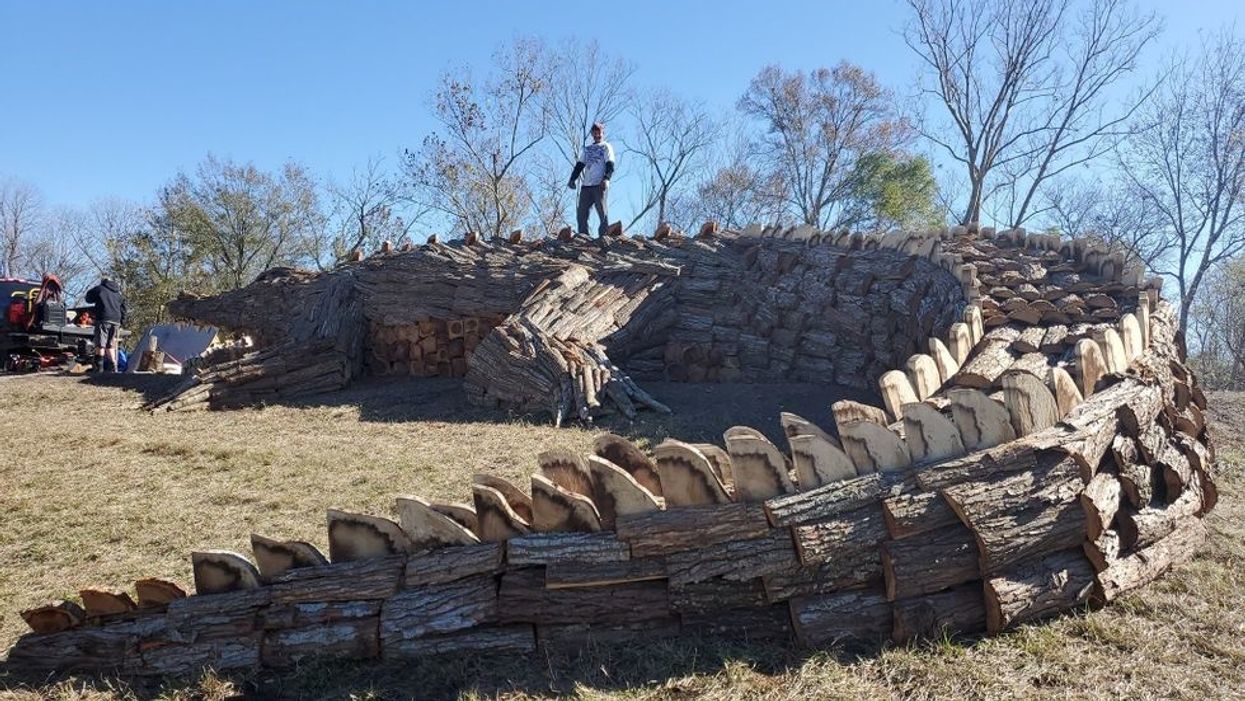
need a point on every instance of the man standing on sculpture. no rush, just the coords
(109, 316)
(596, 165)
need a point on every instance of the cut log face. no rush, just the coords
(960, 342)
(847, 411)
(687, 478)
(463, 514)
(930, 435)
(274, 557)
(631, 459)
(54, 617)
(359, 537)
(100, 602)
(759, 469)
(818, 462)
(923, 372)
(221, 571)
(568, 470)
(1090, 364)
(428, 528)
(897, 392)
(983, 422)
(972, 317)
(618, 493)
(157, 593)
(1067, 394)
(1112, 347)
(557, 510)
(874, 448)
(518, 502)
(1031, 405)
(742, 432)
(794, 425)
(496, 520)
(943, 359)
(1101, 500)
(1130, 334)
(719, 459)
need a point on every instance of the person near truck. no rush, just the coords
(596, 165)
(110, 314)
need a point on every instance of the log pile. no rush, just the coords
(429, 348)
(1037, 474)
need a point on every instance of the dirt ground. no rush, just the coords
(94, 491)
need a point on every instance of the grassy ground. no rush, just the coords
(95, 492)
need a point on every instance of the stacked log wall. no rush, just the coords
(1034, 476)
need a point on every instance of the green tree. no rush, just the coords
(890, 190)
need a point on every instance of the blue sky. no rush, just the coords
(113, 98)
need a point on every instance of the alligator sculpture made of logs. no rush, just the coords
(1041, 446)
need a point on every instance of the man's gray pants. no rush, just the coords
(592, 196)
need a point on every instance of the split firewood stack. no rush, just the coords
(1006, 476)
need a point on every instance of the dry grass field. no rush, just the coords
(95, 491)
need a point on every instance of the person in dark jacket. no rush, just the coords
(110, 314)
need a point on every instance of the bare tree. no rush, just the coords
(473, 170)
(54, 251)
(21, 214)
(736, 194)
(1024, 85)
(818, 125)
(366, 210)
(1112, 211)
(1187, 160)
(586, 85)
(1218, 327)
(672, 138)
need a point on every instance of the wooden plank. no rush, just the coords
(857, 614)
(733, 560)
(842, 536)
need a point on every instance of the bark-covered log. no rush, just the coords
(1037, 587)
(350, 581)
(1145, 565)
(934, 616)
(523, 598)
(910, 513)
(843, 536)
(664, 532)
(438, 608)
(734, 560)
(831, 499)
(930, 562)
(858, 614)
(1025, 514)
(716, 594)
(347, 639)
(569, 574)
(450, 564)
(548, 548)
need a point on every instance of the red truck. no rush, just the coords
(38, 330)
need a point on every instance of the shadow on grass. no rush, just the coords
(701, 411)
(663, 665)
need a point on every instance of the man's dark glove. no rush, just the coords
(571, 184)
